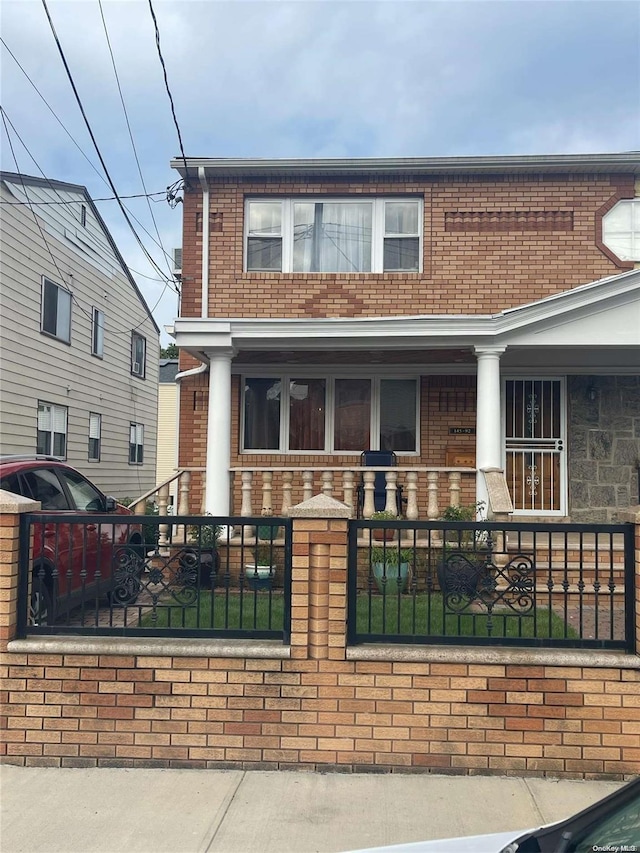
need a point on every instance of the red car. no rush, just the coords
(75, 561)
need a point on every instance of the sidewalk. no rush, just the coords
(193, 811)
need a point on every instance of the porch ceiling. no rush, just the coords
(366, 357)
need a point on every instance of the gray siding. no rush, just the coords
(38, 367)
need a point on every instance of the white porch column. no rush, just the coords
(217, 497)
(488, 418)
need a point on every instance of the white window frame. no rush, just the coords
(329, 422)
(138, 369)
(57, 335)
(377, 230)
(634, 234)
(55, 412)
(97, 333)
(95, 426)
(136, 439)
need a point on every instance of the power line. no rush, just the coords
(166, 83)
(72, 138)
(95, 144)
(105, 198)
(126, 116)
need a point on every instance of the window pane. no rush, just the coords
(264, 253)
(352, 414)
(43, 444)
(63, 329)
(98, 332)
(44, 416)
(306, 414)
(332, 237)
(84, 497)
(94, 449)
(262, 414)
(49, 307)
(59, 444)
(45, 487)
(398, 419)
(401, 253)
(401, 217)
(265, 217)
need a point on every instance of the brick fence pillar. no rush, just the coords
(11, 508)
(319, 579)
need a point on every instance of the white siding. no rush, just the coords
(38, 367)
(167, 435)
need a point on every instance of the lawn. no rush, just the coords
(389, 615)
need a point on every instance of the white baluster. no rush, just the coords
(432, 492)
(183, 493)
(369, 489)
(412, 495)
(348, 487)
(267, 487)
(139, 508)
(307, 485)
(287, 481)
(327, 483)
(454, 487)
(391, 486)
(163, 529)
(247, 485)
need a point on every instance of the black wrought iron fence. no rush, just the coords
(119, 574)
(489, 583)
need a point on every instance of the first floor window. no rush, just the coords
(330, 414)
(56, 310)
(52, 430)
(136, 444)
(95, 431)
(97, 333)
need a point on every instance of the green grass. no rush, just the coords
(390, 615)
(253, 611)
(422, 616)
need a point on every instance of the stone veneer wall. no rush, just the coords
(603, 446)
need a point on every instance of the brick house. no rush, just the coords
(464, 312)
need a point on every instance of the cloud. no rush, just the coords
(279, 78)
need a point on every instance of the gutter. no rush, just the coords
(194, 371)
(205, 242)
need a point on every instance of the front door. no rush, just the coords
(534, 445)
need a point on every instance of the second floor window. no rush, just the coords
(97, 333)
(95, 434)
(52, 430)
(138, 354)
(56, 310)
(333, 235)
(136, 444)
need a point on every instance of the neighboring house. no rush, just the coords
(167, 459)
(78, 344)
(465, 312)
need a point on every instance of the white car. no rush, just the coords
(612, 825)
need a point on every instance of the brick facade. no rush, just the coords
(321, 707)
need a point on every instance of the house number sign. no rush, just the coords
(462, 431)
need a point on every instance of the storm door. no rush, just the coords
(534, 445)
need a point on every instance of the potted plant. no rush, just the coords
(205, 553)
(261, 572)
(463, 566)
(383, 533)
(390, 568)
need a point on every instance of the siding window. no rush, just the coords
(52, 430)
(330, 414)
(83, 215)
(95, 436)
(136, 444)
(621, 230)
(138, 355)
(56, 311)
(97, 333)
(333, 235)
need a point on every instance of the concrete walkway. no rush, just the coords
(179, 811)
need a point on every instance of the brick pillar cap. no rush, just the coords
(320, 506)
(632, 515)
(16, 504)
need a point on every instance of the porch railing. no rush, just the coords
(498, 583)
(268, 490)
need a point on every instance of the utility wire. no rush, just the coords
(105, 198)
(72, 138)
(126, 117)
(166, 83)
(95, 144)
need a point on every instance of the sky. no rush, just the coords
(287, 78)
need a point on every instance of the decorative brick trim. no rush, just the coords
(508, 220)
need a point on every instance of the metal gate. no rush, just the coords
(534, 445)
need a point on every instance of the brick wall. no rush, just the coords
(489, 243)
(320, 707)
